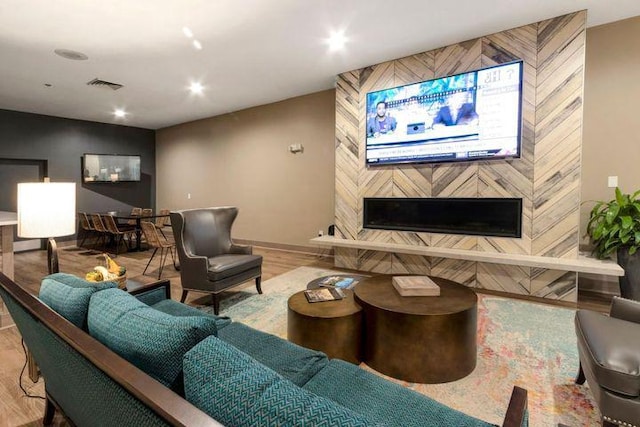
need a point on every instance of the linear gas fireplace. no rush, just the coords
(500, 217)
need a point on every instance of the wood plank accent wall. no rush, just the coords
(546, 177)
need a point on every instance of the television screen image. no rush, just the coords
(469, 116)
(110, 168)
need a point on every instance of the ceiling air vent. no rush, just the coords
(103, 83)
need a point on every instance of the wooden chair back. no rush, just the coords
(151, 234)
(162, 221)
(134, 212)
(110, 224)
(84, 222)
(146, 212)
(98, 225)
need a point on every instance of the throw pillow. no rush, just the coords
(150, 339)
(69, 295)
(236, 390)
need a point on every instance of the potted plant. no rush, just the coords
(614, 226)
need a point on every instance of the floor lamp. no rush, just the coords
(47, 210)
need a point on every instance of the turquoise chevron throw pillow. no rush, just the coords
(69, 295)
(150, 339)
(238, 391)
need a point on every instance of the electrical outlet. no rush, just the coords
(188, 195)
(612, 181)
(320, 233)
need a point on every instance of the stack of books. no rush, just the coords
(323, 294)
(416, 286)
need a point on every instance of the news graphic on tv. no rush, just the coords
(469, 116)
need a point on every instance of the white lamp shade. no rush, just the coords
(46, 209)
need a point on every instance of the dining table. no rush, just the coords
(126, 216)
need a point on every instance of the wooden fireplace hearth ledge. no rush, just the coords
(583, 263)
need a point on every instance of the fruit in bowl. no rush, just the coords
(112, 271)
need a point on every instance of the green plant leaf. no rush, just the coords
(632, 250)
(627, 221)
(619, 196)
(612, 213)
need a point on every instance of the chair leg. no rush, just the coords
(184, 295)
(258, 287)
(580, 378)
(216, 303)
(150, 259)
(85, 233)
(163, 259)
(49, 412)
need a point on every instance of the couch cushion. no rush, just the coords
(223, 266)
(295, 363)
(238, 391)
(69, 295)
(612, 350)
(176, 308)
(153, 341)
(382, 400)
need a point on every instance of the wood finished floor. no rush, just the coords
(19, 410)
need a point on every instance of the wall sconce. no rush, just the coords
(296, 148)
(47, 210)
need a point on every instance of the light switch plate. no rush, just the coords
(612, 181)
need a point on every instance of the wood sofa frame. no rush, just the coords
(159, 399)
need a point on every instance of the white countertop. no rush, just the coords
(8, 218)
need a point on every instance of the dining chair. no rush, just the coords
(162, 220)
(116, 234)
(134, 212)
(86, 227)
(98, 225)
(154, 241)
(146, 212)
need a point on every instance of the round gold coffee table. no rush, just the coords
(333, 327)
(419, 339)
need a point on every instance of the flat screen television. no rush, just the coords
(475, 115)
(110, 168)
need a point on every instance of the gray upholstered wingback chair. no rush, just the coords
(209, 260)
(609, 351)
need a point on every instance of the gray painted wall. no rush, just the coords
(63, 142)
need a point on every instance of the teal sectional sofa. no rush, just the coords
(119, 359)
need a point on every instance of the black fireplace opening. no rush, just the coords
(499, 217)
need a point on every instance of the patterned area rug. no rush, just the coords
(519, 343)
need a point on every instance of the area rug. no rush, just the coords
(519, 343)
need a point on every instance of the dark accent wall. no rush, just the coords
(62, 142)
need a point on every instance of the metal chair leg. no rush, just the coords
(258, 287)
(150, 259)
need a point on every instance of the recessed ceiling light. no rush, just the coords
(71, 54)
(197, 45)
(119, 112)
(196, 88)
(337, 40)
(187, 32)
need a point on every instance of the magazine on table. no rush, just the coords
(323, 294)
(339, 282)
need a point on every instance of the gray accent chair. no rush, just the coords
(609, 351)
(209, 260)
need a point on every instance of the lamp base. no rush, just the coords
(52, 256)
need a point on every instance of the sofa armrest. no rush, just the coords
(150, 293)
(625, 309)
(516, 415)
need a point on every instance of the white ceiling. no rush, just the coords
(254, 51)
